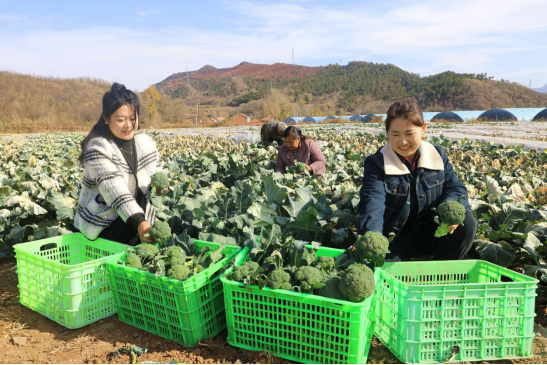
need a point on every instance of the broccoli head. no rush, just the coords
(357, 283)
(175, 255)
(450, 212)
(330, 290)
(198, 268)
(308, 256)
(159, 181)
(326, 263)
(279, 279)
(160, 231)
(146, 251)
(308, 277)
(240, 273)
(178, 272)
(371, 244)
(298, 168)
(133, 261)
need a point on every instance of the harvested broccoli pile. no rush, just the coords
(370, 245)
(177, 262)
(160, 231)
(159, 181)
(291, 265)
(450, 213)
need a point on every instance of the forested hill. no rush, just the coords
(351, 88)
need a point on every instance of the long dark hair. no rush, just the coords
(294, 133)
(112, 101)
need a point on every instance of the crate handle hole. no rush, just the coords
(506, 279)
(48, 246)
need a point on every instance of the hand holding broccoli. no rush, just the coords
(160, 182)
(451, 215)
(144, 232)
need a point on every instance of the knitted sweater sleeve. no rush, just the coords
(100, 166)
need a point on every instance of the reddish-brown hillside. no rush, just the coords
(253, 71)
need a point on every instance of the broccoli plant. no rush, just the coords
(450, 213)
(298, 168)
(159, 181)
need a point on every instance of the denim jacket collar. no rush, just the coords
(429, 159)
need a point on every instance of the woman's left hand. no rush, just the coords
(309, 168)
(161, 192)
(452, 228)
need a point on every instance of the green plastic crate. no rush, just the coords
(182, 311)
(64, 278)
(300, 327)
(425, 309)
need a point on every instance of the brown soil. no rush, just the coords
(28, 337)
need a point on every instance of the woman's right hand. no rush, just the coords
(143, 229)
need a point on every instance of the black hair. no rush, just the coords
(294, 133)
(112, 101)
(408, 109)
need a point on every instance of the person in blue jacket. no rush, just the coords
(402, 184)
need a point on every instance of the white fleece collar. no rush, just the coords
(429, 159)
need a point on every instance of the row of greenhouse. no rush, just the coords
(501, 115)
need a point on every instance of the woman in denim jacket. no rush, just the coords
(403, 182)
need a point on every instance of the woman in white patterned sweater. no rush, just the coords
(118, 163)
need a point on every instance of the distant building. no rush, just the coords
(266, 120)
(240, 118)
(215, 119)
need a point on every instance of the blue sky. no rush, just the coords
(140, 43)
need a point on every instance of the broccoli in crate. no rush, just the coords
(178, 260)
(288, 264)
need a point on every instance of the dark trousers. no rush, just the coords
(121, 232)
(418, 240)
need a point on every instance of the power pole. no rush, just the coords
(530, 83)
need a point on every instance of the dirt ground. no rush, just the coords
(28, 337)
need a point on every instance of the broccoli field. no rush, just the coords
(225, 191)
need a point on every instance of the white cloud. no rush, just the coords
(428, 37)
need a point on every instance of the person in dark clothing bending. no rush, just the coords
(402, 183)
(272, 131)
